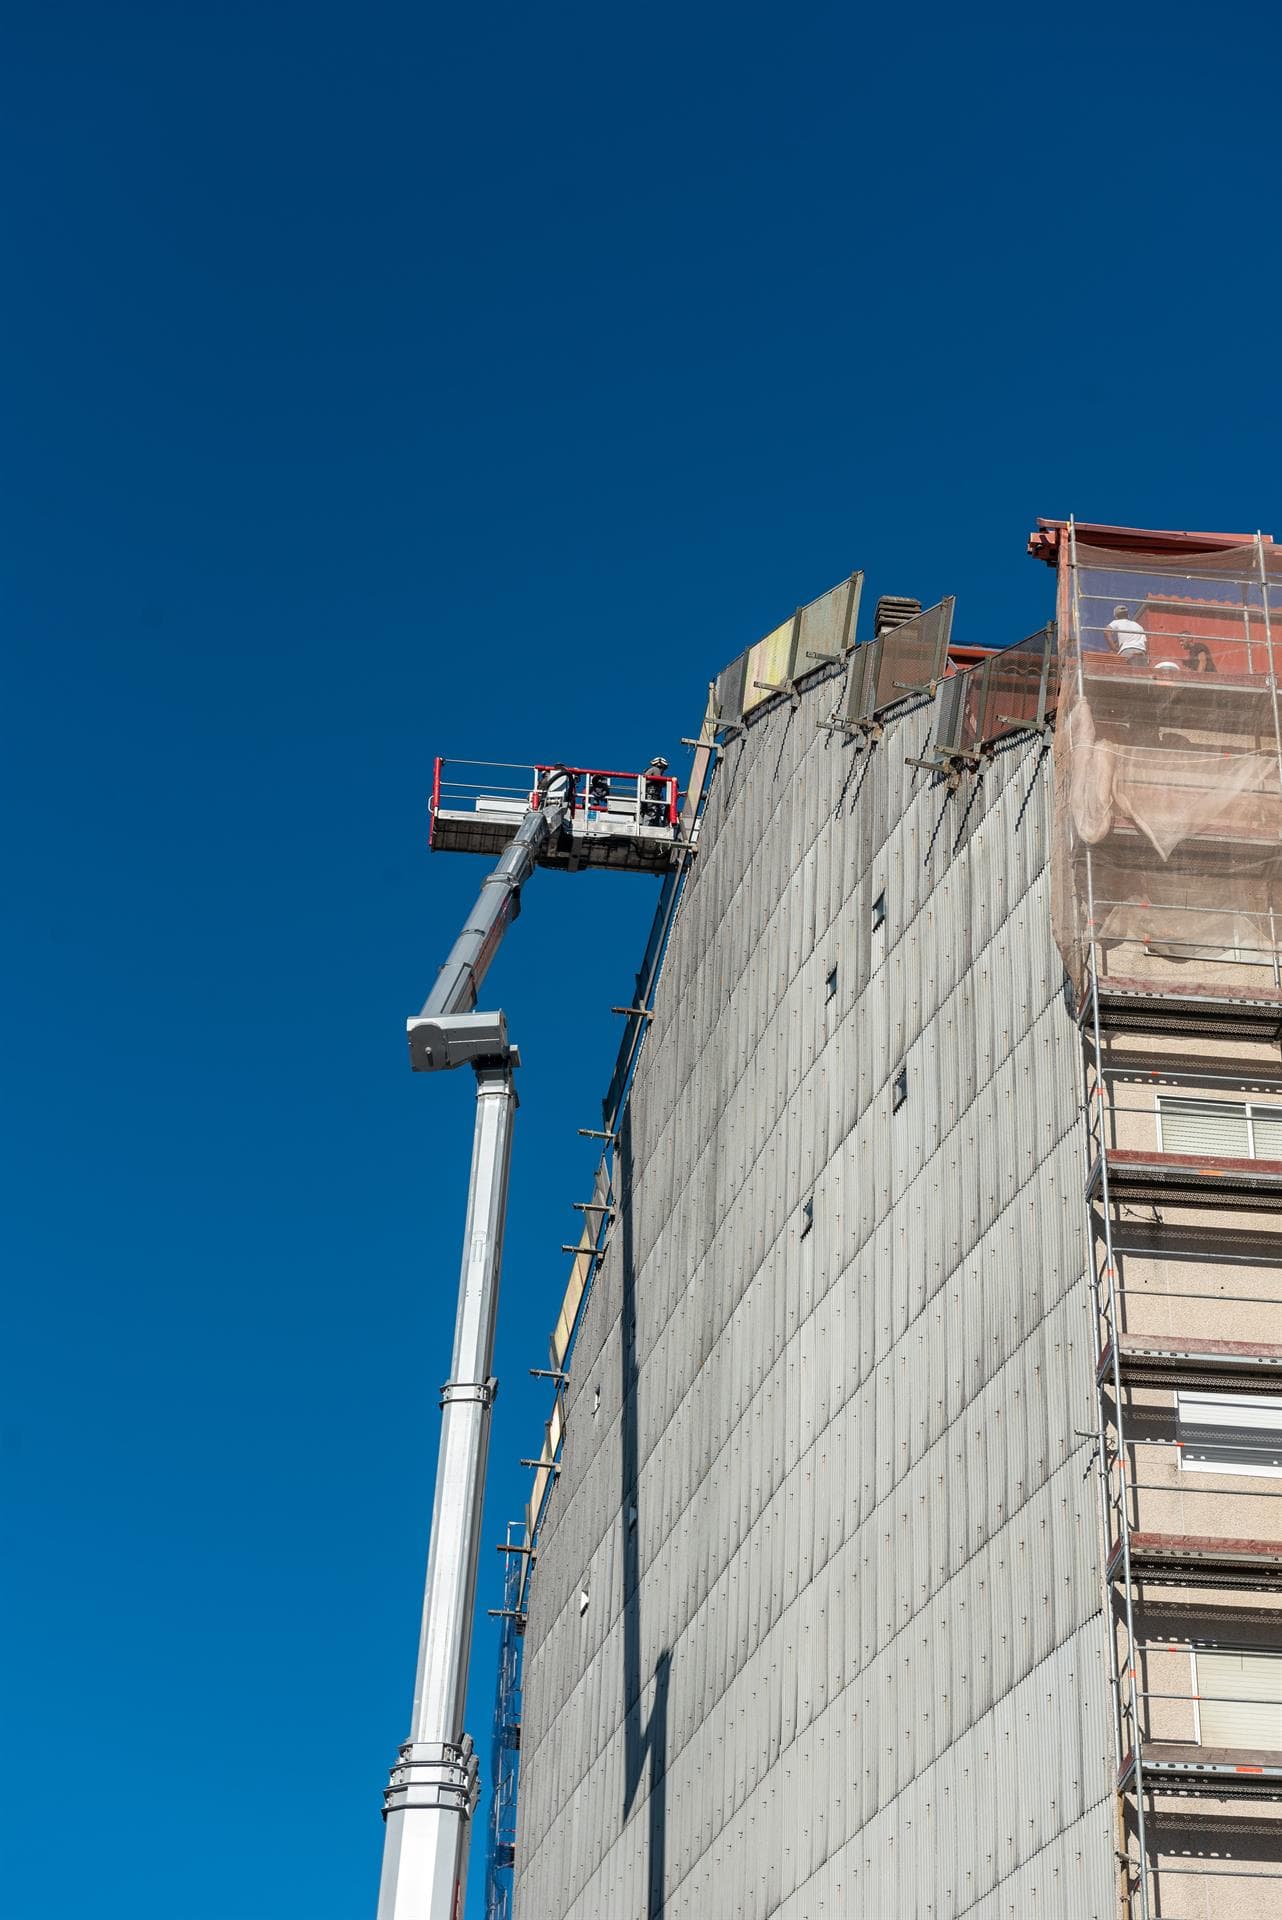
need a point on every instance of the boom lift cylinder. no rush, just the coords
(432, 1793)
(433, 1789)
(445, 1034)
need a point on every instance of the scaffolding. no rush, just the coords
(505, 1739)
(1167, 897)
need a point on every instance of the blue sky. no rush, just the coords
(389, 381)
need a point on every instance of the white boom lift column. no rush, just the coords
(433, 1789)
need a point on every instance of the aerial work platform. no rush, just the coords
(613, 819)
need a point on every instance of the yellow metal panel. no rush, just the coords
(769, 661)
(580, 1272)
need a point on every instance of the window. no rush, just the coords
(831, 985)
(879, 912)
(807, 1216)
(1237, 1129)
(1239, 1698)
(1230, 1432)
(899, 1090)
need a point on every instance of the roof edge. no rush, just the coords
(1044, 542)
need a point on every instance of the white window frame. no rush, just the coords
(1193, 1689)
(1201, 1646)
(1267, 1411)
(1248, 1107)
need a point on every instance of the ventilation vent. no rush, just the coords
(893, 611)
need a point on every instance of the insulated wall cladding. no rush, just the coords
(816, 1623)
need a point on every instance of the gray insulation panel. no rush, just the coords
(843, 1650)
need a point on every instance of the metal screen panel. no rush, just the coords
(828, 624)
(861, 681)
(729, 694)
(912, 657)
(1009, 693)
(950, 706)
(1013, 689)
(823, 630)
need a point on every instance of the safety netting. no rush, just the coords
(1167, 862)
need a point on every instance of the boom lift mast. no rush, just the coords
(626, 821)
(433, 1788)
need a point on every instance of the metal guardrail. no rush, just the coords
(505, 787)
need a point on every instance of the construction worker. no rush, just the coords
(1127, 637)
(654, 806)
(556, 789)
(556, 786)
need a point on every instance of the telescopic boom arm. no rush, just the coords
(432, 1793)
(448, 1033)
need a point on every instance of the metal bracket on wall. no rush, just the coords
(786, 686)
(871, 730)
(950, 766)
(1043, 726)
(646, 1013)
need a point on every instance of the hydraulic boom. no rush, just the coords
(433, 1789)
(448, 1033)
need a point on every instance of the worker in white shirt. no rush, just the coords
(1127, 637)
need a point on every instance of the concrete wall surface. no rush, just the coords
(816, 1624)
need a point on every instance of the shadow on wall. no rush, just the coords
(648, 1741)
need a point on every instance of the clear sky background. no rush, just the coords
(392, 380)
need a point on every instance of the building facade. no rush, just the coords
(910, 1529)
